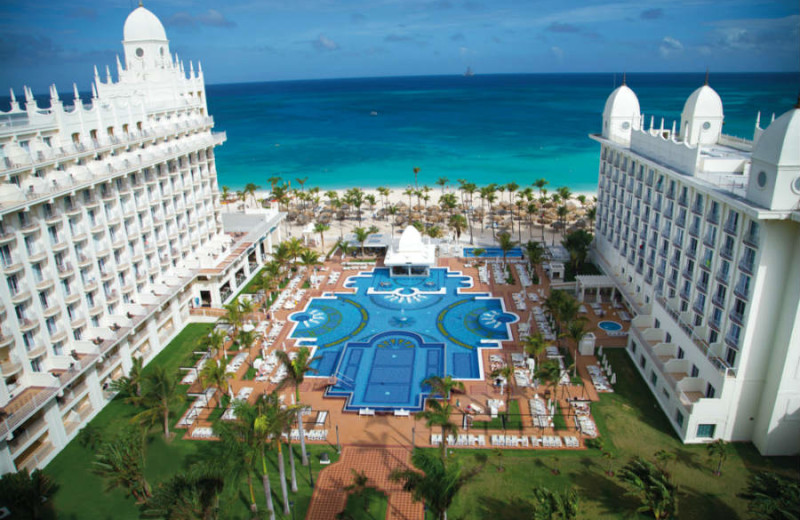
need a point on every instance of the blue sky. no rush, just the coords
(261, 40)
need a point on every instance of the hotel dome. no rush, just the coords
(143, 25)
(704, 103)
(778, 144)
(622, 102)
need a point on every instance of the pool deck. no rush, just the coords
(391, 432)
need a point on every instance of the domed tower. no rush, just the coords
(775, 171)
(621, 115)
(701, 119)
(145, 42)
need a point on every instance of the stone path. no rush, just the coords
(377, 462)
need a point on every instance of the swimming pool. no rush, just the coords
(610, 326)
(491, 252)
(378, 344)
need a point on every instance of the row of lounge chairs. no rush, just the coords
(462, 439)
(334, 277)
(311, 435)
(547, 441)
(202, 432)
(357, 266)
(524, 278)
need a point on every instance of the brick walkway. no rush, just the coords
(329, 497)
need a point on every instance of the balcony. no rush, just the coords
(751, 238)
(699, 305)
(43, 283)
(36, 254)
(112, 296)
(694, 230)
(688, 273)
(685, 293)
(30, 226)
(714, 323)
(732, 341)
(72, 297)
(702, 287)
(672, 282)
(692, 253)
(746, 264)
(26, 324)
(713, 217)
(77, 320)
(10, 366)
(21, 293)
(73, 209)
(719, 301)
(742, 290)
(723, 276)
(8, 235)
(83, 260)
(697, 209)
(710, 239)
(36, 350)
(12, 264)
(737, 317)
(727, 252)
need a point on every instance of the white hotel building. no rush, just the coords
(110, 231)
(701, 233)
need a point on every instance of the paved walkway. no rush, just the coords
(329, 497)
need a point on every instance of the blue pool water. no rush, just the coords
(493, 252)
(610, 326)
(378, 344)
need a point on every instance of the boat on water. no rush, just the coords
(468, 73)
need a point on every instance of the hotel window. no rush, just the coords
(706, 431)
(695, 371)
(642, 361)
(633, 347)
(681, 353)
(77, 333)
(710, 391)
(58, 348)
(730, 356)
(653, 378)
(679, 418)
(713, 336)
(36, 364)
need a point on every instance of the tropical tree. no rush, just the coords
(717, 451)
(250, 190)
(310, 260)
(361, 236)
(441, 387)
(242, 445)
(187, 496)
(507, 373)
(271, 423)
(359, 486)
(233, 315)
(772, 497)
(554, 505)
(273, 181)
(442, 181)
(663, 458)
(294, 247)
(578, 243)
(215, 374)
(321, 228)
(609, 457)
(226, 192)
(652, 487)
(130, 385)
(434, 232)
(438, 414)
(26, 494)
(120, 462)
(576, 330)
(506, 244)
(535, 252)
(549, 373)
(591, 214)
(457, 223)
(535, 346)
(436, 483)
(159, 393)
(296, 370)
(247, 338)
(478, 252)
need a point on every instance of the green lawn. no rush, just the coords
(513, 421)
(631, 424)
(82, 495)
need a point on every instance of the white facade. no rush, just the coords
(701, 233)
(110, 231)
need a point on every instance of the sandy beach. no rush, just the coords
(371, 216)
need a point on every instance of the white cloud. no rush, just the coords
(669, 46)
(323, 43)
(558, 52)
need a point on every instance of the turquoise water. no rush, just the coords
(487, 128)
(491, 252)
(610, 326)
(383, 341)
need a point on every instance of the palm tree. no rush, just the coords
(247, 339)
(438, 414)
(215, 374)
(555, 505)
(212, 342)
(457, 223)
(416, 174)
(187, 496)
(130, 385)
(310, 259)
(507, 373)
(591, 214)
(506, 244)
(273, 181)
(535, 346)
(577, 243)
(549, 373)
(121, 462)
(26, 494)
(441, 387)
(657, 494)
(718, 450)
(159, 393)
(609, 457)
(251, 189)
(359, 486)
(442, 181)
(535, 252)
(226, 192)
(361, 236)
(271, 425)
(296, 371)
(663, 458)
(233, 315)
(242, 445)
(436, 483)
(294, 246)
(576, 330)
(772, 497)
(540, 184)
(435, 232)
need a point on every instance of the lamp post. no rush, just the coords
(310, 476)
(338, 446)
(291, 504)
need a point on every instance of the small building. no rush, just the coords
(410, 256)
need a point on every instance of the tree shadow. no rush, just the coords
(492, 508)
(689, 459)
(704, 505)
(606, 491)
